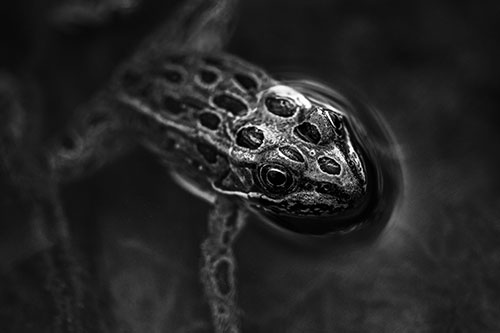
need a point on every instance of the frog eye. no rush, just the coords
(275, 178)
(280, 106)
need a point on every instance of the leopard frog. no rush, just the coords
(225, 127)
(296, 153)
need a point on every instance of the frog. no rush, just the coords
(234, 135)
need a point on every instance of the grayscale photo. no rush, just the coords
(249, 166)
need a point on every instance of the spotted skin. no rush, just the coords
(239, 123)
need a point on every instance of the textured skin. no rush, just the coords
(210, 118)
(232, 133)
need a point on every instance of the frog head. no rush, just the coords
(300, 163)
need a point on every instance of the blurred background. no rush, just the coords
(429, 67)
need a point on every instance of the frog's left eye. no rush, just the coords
(275, 178)
(279, 106)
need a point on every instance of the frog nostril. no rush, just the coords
(307, 132)
(326, 188)
(329, 165)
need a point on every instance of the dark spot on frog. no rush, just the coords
(171, 75)
(222, 276)
(207, 152)
(231, 104)
(280, 106)
(292, 153)
(209, 120)
(246, 81)
(307, 132)
(329, 165)
(250, 137)
(207, 76)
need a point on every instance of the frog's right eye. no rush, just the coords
(275, 178)
(280, 106)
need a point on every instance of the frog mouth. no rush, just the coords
(313, 225)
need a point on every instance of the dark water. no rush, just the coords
(429, 67)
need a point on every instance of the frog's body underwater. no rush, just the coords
(232, 134)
